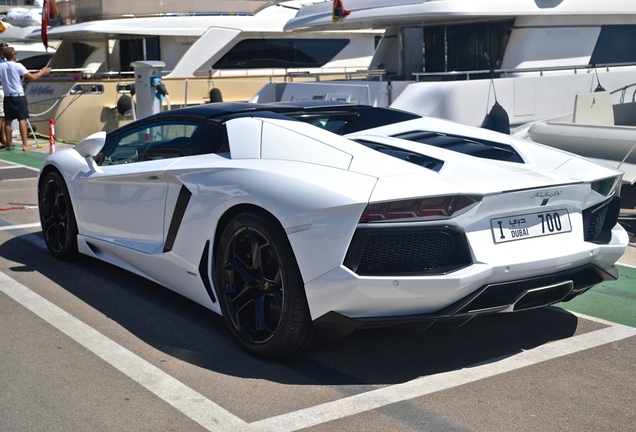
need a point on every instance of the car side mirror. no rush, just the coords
(91, 145)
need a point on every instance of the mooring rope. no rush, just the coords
(42, 113)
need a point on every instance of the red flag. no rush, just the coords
(46, 7)
(49, 10)
(339, 12)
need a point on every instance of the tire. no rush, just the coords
(260, 288)
(57, 217)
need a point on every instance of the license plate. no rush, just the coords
(530, 225)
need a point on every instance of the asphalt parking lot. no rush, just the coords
(87, 346)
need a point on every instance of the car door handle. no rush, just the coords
(152, 178)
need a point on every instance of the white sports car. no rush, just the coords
(306, 220)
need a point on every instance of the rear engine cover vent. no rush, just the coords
(469, 146)
(416, 158)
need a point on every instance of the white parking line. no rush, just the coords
(191, 403)
(16, 165)
(214, 418)
(12, 227)
(443, 381)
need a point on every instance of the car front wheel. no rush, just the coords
(260, 288)
(57, 218)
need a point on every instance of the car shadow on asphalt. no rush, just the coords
(189, 332)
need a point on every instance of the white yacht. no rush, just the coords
(212, 50)
(437, 56)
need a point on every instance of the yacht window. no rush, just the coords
(151, 48)
(79, 54)
(435, 49)
(131, 50)
(281, 53)
(468, 47)
(36, 62)
(614, 45)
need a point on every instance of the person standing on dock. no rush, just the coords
(3, 140)
(15, 101)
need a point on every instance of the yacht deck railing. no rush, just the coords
(421, 76)
(623, 90)
(356, 74)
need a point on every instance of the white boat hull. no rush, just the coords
(614, 146)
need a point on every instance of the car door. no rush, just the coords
(123, 200)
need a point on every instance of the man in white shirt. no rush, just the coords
(15, 102)
(2, 139)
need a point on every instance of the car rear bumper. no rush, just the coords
(512, 296)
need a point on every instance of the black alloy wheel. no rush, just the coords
(57, 218)
(260, 288)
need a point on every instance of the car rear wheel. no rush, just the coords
(260, 288)
(57, 218)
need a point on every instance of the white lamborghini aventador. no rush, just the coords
(307, 220)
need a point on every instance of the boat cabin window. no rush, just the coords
(467, 47)
(131, 50)
(613, 46)
(79, 54)
(281, 53)
(37, 61)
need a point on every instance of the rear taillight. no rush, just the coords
(606, 187)
(443, 207)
